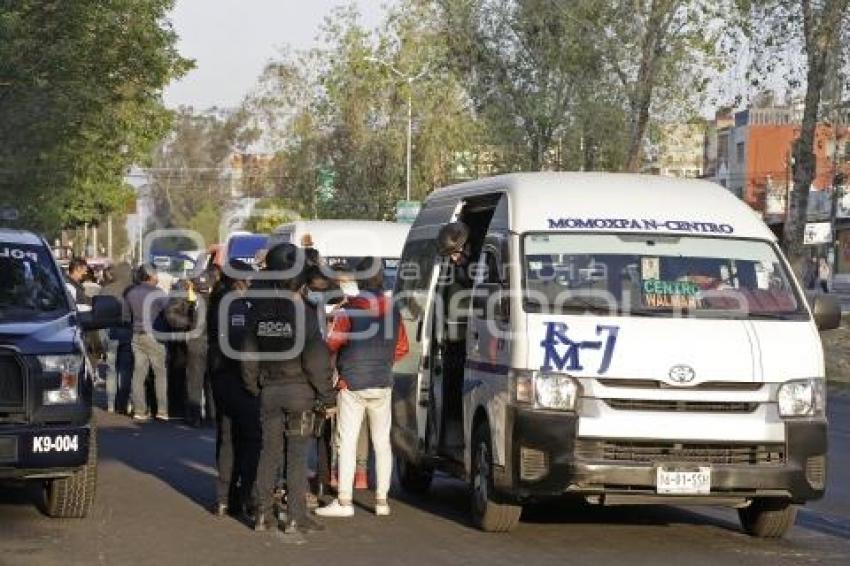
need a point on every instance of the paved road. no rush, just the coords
(156, 481)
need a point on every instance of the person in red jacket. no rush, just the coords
(367, 337)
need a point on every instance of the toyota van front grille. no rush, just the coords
(705, 386)
(659, 452)
(681, 406)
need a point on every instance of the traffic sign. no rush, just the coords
(8, 214)
(407, 210)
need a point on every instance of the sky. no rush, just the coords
(232, 40)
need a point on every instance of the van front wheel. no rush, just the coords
(487, 513)
(768, 518)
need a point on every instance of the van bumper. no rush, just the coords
(547, 459)
(44, 451)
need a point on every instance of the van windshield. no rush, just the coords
(29, 285)
(634, 275)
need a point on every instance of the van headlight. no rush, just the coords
(802, 398)
(68, 367)
(555, 391)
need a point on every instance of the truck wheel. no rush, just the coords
(488, 514)
(413, 479)
(72, 497)
(768, 518)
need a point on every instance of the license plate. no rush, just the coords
(684, 482)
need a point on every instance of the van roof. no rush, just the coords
(617, 202)
(344, 238)
(334, 224)
(22, 237)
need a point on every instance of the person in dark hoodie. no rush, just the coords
(119, 349)
(367, 337)
(287, 365)
(237, 412)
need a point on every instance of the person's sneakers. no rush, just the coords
(361, 479)
(261, 521)
(336, 509)
(382, 508)
(162, 417)
(141, 418)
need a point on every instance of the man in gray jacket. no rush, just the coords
(144, 304)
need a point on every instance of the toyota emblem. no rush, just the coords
(682, 374)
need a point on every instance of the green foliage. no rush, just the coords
(269, 213)
(340, 109)
(80, 86)
(189, 170)
(206, 221)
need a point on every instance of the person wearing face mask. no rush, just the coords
(347, 289)
(367, 336)
(238, 435)
(286, 365)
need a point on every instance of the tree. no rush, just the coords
(821, 30)
(524, 63)
(80, 86)
(190, 184)
(581, 79)
(660, 51)
(269, 213)
(337, 116)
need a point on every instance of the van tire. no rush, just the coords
(72, 497)
(768, 518)
(413, 479)
(488, 514)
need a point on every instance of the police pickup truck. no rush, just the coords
(46, 429)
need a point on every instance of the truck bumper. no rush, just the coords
(547, 459)
(45, 451)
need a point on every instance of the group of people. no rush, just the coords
(287, 377)
(276, 357)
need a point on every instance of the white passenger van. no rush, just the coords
(348, 240)
(630, 339)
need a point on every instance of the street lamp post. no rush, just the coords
(409, 79)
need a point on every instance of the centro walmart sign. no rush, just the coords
(646, 225)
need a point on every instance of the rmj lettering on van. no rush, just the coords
(642, 224)
(562, 353)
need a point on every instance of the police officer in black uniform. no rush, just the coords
(286, 364)
(237, 413)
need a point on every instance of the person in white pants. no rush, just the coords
(367, 337)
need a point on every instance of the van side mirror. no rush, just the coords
(106, 312)
(827, 311)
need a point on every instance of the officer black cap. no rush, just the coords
(288, 259)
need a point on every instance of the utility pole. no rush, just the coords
(409, 79)
(109, 235)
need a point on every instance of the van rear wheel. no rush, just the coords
(768, 518)
(488, 513)
(413, 479)
(72, 497)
